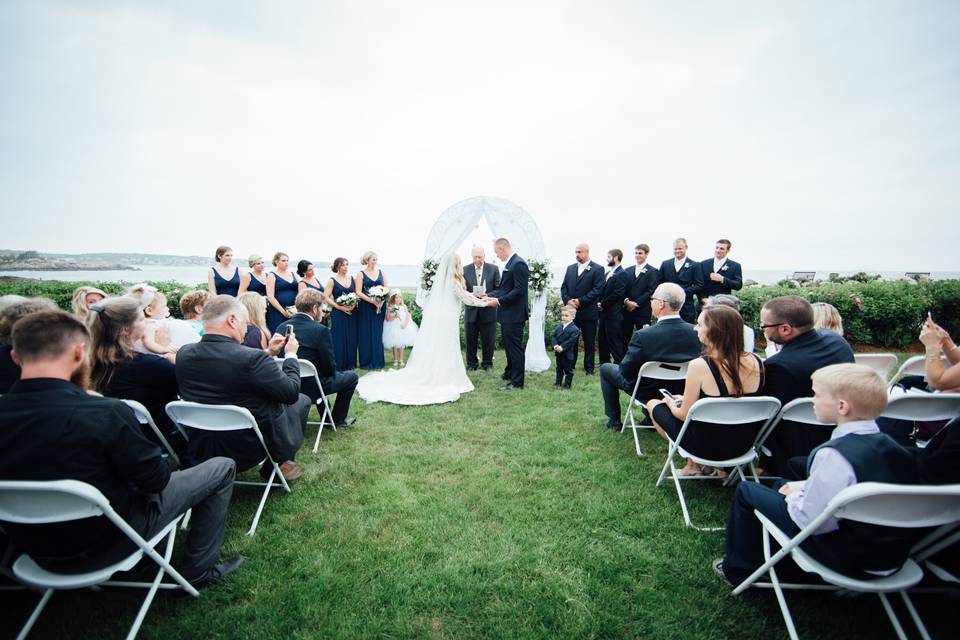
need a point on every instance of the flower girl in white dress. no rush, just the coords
(399, 329)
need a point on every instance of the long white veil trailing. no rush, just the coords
(434, 371)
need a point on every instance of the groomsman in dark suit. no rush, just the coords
(581, 289)
(478, 321)
(640, 280)
(685, 272)
(720, 274)
(610, 334)
(565, 339)
(514, 308)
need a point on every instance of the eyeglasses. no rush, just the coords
(771, 326)
(658, 300)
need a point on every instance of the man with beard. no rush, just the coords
(609, 336)
(582, 284)
(51, 429)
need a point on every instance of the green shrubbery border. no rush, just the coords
(883, 314)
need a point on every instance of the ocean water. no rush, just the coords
(405, 276)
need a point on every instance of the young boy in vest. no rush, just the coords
(850, 396)
(565, 339)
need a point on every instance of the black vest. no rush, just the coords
(857, 547)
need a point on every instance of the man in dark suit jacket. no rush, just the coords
(685, 272)
(565, 339)
(478, 321)
(669, 340)
(514, 308)
(788, 321)
(610, 333)
(317, 347)
(220, 370)
(720, 274)
(640, 280)
(581, 287)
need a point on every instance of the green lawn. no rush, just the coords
(502, 515)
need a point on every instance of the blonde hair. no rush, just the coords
(571, 310)
(365, 258)
(826, 316)
(396, 293)
(147, 296)
(458, 272)
(191, 300)
(254, 259)
(79, 302)
(308, 299)
(256, 306)
(277, 256)
(857, 384)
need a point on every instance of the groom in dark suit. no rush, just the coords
(685, 272)
(582, 284)
(478, 321)
(720, 274)
(511, 298)
(640, 280)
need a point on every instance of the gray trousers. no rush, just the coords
(287, 439)
(206, 488)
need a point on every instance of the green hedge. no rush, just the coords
(879, 313)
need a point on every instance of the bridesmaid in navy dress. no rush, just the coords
(343, 324)
(309, 280)
(254, 280)
(281, 291)
(224, 277)
(370, 314)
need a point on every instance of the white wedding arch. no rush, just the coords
(506, 220)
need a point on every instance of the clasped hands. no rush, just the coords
(490, 300)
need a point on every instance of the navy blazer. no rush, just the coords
(512, 293)
(586, 288)
(611, 296)
(670, 340)
(690, 276)
(788, 371)
(316, 345)
(732, 278)
(639, 289)
(567, 339)
(491, 280)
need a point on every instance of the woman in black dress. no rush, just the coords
(723, 371)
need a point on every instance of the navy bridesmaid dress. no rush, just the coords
(370, 328)
(343, 326)
(286, 294)
(227, 287)
(257, 287)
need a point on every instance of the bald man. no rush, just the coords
(582, 284)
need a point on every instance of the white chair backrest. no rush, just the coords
(897, 505)
(800, 410)
(916, 366)
(46, 501)
(882, 363)
(663, 370)
(734, 410)
(210, 417)
(923, 406)
(307, 370)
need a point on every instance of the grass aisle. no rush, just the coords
(510, 515)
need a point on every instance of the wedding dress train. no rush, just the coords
(434, 373)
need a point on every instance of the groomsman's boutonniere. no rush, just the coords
(686, 265)
(643, 271)
(723, 268)
(587, 268)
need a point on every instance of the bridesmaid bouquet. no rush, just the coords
(540, 275)
(348, 300)
(379, 292)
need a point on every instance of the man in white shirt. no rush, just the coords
(581, 287)
(685, 272)
(720, 274)
(477, 321)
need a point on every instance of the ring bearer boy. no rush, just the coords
(566, 337)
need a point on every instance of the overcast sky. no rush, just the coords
(815, 135)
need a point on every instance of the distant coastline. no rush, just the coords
(44, 264)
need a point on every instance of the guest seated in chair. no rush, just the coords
(317, 347)
(669, 340)
(723, 371)
(50, 429)
(850, 396)
(220, 370)
(9, 369)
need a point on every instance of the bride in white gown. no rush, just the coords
(434, 371)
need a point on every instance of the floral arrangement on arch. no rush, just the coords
(428, 271)
(540, 275)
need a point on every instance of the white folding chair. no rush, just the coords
(915, 366)
(935, 542)
(891, 505)
(882, 363)
(923, 406)
(41, 502)
(653, 370)
(798, 410)
(308, 370)
(719, 413)
(144, 417)
(227, 417)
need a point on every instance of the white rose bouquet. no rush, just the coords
(379, 292)
(347, 300)
(428, 271)
(540, 275)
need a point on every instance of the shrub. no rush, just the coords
(62, 292)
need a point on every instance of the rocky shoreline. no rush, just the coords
(43, 264)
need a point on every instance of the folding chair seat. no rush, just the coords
(914, 366)
(891, 505)
(797, 411)
(41, 502)
(226, 417)
(308, 370)
(145, 419)
(882, 363)
(720, 414)
(653, 370)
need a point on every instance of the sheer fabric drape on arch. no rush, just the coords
(506, 220)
